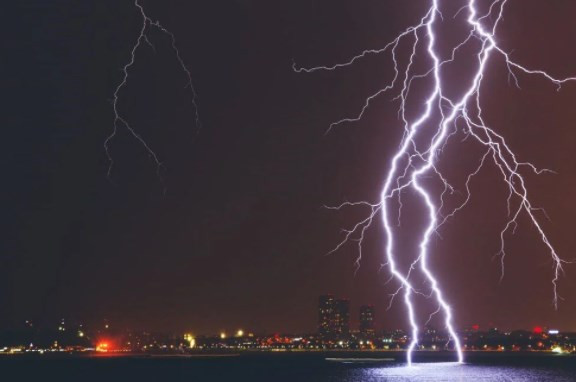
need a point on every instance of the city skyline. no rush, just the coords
(334, 318)
(334, 332)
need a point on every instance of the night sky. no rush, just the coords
(239, 239)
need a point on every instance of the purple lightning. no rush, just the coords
(417, 156)
(119, 120)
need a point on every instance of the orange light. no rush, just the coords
(102, 347)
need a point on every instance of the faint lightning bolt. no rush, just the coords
(119, 119)
(417, 157)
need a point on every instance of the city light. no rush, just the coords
(338, 335)
(557, 350)
(191, 340)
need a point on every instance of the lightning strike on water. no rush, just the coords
(119, 120)
(411, 163)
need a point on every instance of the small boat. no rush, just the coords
(360, 360)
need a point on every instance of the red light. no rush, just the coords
(105, 345)
(537, 330)
(476, 327)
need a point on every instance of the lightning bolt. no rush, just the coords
(119, 119)
(417, 156)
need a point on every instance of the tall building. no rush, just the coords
(341, 317)
(367, 320)
(333, 316)
(325, 314)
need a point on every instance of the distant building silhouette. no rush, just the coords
(367, 320)
(325, 315)
(341, 317)
(333, 316)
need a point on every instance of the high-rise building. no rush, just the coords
(325, 315)
(333, 316)
(367, 320)
(341, 317)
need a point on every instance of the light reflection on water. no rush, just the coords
(454, 372)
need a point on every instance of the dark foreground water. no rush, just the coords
(289, 367)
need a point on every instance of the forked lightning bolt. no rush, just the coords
(119, 119)
(417, 157)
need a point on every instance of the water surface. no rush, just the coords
(291, 367)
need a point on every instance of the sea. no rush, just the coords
(289, 367)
